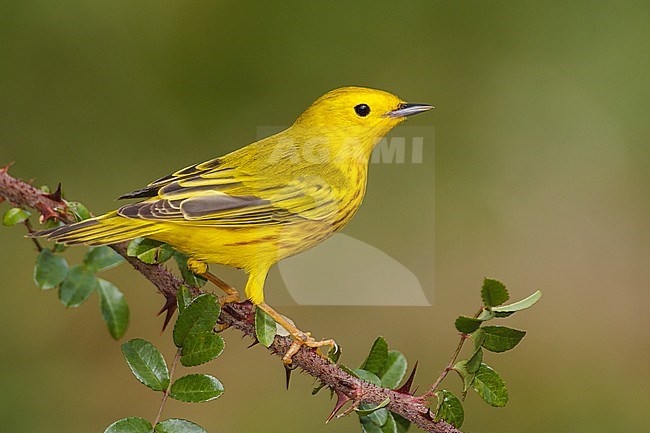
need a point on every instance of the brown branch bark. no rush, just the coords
(242, 317)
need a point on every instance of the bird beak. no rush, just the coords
(408, 110)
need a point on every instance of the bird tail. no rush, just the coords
(102, 230)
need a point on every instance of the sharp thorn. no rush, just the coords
(406, 388)
(341, 399)
(56, 195)
(288, 368)
(168, 309)
(253, 344)
(428, 415)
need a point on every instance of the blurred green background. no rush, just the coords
(541, 175)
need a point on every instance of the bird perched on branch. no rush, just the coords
(264, 202)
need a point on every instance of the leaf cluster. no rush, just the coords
(474, 373)
(197, 343)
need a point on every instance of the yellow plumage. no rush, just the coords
(266, 201)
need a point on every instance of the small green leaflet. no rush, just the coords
(201, 348)
(367, 408)
(130, 425)
(461, 368)
(149, 251)
(501, 338)
(449, 408)
(390, 426)
(467, 325)
(493, 293)
(147, 363)
(489, 385)
(393, 370)
(265, 327)
(183, 297)
(14, 216)
(115, 310)
(368, 426)
(190, 278)
(50, 270)
(402, 423)
(102, 258)
(196, 388)
(78, 285)
(367, 376)
(200, 316)
(474, 362)
(79, 211)
(175, 425)
(520, 305)
(377, 356)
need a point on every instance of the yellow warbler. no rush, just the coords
(264, 202)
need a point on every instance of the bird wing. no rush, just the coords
(216, 194)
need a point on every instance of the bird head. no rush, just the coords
(352, 120)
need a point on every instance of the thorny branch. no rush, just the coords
(241, 316)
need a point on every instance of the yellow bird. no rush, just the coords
(264, 202)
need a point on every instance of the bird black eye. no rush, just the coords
(362, 110)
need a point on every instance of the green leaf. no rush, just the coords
(78, 285)
(79, 211)
(449, 408)
(478, 337)
(377, 414)
(130, 425)
(102, 258)
(501, 338)
(191, 279)
(489, 385)
(115, 310)
(196, 388)
(147, 363)
(175, 425)
(390, 426)
(467, 325)
(149, 250)
(200, 316)
(394, 369)
(14, 216)
(367, 376)
(183, 297)
(201, 348)
(493, 293)
(402, 423)
(468, 378)
(474, 362)
(50, 270)
(520, 305)
(368, 425)
(377, 356)
(265, 327)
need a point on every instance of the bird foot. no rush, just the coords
(229, 299)
(301, 339)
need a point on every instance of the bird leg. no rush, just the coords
(232, 295)
(300, 338)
